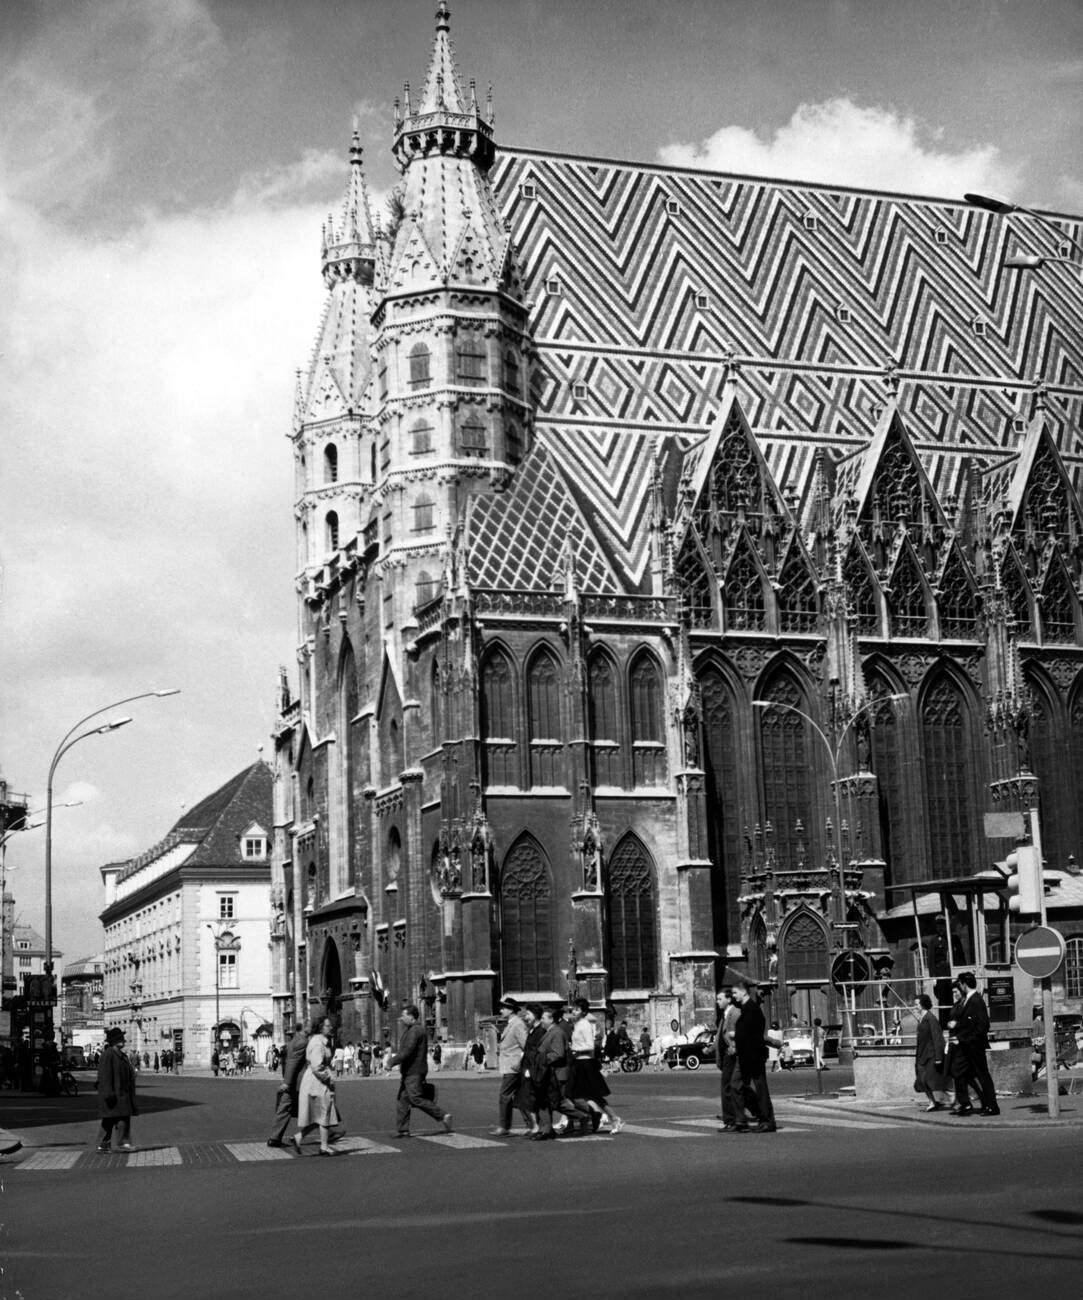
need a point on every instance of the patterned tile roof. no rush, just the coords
(665, 274)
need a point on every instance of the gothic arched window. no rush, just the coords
(420, 438)
(498, 721)
(696, 586)
(787, 779)
(436, 704)
(958, 599)
(543, 716)
(331, 530)
(330, 463)
(473, 436)
(746, 608)
(796, 595)
(511, 373)
(604, 720)
(948, 753)
(471, 366)
(526, 920)
(804, 951)
(864, 611)
(722, 764)
(648, 728)
(909, 612)
(887, 751)
(1057, 605)
(1047, 762)
(420, 358)
(423, 513)
(630, 911)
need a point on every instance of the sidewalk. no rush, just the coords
(1015, 1112)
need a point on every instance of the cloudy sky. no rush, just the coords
(164, 169)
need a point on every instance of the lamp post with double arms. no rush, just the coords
(72, 737)
(834, 753)
(1028, 261)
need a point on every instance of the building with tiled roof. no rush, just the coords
(187, 928)
(685, 560)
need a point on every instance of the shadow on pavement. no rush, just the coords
(28, 1111)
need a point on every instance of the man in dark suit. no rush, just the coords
(969, 1030)
(412, 1058)
(748, 1040)
(293, 1065)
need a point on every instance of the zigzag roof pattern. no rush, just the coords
(820, 293)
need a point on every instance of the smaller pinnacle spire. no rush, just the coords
(443, 16)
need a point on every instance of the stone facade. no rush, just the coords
(598, 693)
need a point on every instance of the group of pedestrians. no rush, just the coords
(550, 1073)
(741, 1051)
(307, 1091)
(962, 1059)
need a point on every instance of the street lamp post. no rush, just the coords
(834, 752)
(1004, 209)
(71, 738)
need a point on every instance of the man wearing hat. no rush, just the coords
(510, 1062)
(116, 1093)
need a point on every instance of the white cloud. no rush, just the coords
(843, 143)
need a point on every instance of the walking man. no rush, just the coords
(510, 1061)
(748, 1039)
(725, 1055)
(970, 1037)
(286, 1097)
(412, 1058)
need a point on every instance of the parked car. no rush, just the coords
(690, 1055)
(796, 1048)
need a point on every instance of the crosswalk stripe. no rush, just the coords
(259, 1151)
(459, 1141)
(50, 1160)
(823, 1121)
(154, 1158)
(365, 1147)
(641, 1130)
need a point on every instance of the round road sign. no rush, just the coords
(1039, 952)
(850, 968)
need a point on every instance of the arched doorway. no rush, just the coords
(803, 970)
(331, 979)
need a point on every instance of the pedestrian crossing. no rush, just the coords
(791, 1123)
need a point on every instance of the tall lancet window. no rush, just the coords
(787, 779)
(526, 920)
(949, 762)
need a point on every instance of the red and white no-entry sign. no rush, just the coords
(1039, 952)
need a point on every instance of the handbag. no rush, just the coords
(428, 1091)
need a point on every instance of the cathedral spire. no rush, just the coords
(445, 121)
(349, 249)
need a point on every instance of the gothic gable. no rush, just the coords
(957, 601)
(325, 399)
(1040, 499)
(892, 484)
(908, 594)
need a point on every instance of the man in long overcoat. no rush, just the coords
(116, 1093)
(286, 1098)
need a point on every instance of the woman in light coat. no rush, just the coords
(316, 1096)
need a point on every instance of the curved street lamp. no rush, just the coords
(1004, 209)
(69, 739)
(834, 752)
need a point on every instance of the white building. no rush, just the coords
(187, 929)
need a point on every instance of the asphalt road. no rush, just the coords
(828, 1206)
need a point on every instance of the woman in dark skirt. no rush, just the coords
(589, 1087)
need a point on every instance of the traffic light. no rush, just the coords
(1024, 879)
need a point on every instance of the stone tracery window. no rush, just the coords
(1045, 506)
(526, 919)
(908, 609)
(864, 613)
(632, 955)
(604, 720)
(736, 479)
(787, 777)
(797, 594)
(695, 585)
(743, 593)
(498, 721)
(804, 950)
(1057, 606)
(888, 762)
(648, 728)
(897, 488)
(948, 753)
(543, 715)
(722, 762)
(958, 599)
